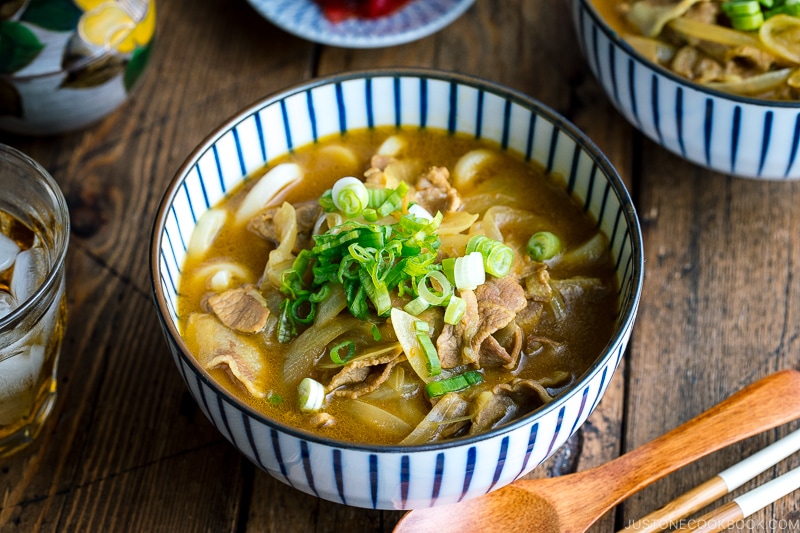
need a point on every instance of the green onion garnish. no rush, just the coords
(453, 384)
(455, 310)
(430, 294)
(749, 15)
(416, 306)
(350, 196)
(311, 394)
(497, 257)
(432, 362)
(347, 345)
(370, 260)
(468, 271)
(543, 245)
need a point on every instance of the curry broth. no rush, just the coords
(588, 331)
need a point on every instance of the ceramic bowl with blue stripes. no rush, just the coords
(727, 133)
(378, 476)
(413, 21)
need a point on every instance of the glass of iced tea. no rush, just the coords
(34, 232)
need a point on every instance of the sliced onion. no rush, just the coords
(758, 84)
(310, 344)
(652, 49)
(781, 36)
(379, 419)
(456, 222)
(694, 29)
(449, 409)
(403, 324)
(650, 19)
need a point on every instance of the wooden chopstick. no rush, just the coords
(723, 483)
(745, 505)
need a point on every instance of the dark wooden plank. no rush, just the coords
(718, 309)
(126, 448)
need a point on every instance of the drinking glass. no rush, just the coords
(34, 233)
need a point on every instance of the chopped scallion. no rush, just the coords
(311, 394)
(468, 271)
(416, 306)
(350, 196)
(497, 257)
(453, 384)
(432, 362)
(543, 245)
(336, 355)
(455, 310)
(430, 294)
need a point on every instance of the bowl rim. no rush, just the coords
(618, 40)
(627, 312)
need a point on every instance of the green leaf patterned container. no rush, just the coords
(65, 64)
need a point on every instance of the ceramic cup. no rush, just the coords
(65, 64)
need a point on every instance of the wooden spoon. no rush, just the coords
(572, 503)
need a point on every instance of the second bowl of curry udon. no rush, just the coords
(716, 85)
(399, 289)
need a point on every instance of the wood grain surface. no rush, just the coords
(127, 449)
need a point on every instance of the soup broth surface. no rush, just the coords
(570, 308)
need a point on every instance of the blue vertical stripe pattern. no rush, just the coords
(795, 142)
(305, 456)
(501, 462)
(262, 142)
(765, 142)
(355, 474)
(287, 127)
(312, 115)
(469, 471)
(276, 449)
(405, 480)
(708, 128)
(654, 102)
(529, 449)
(679, 120)
(373, 479)
(218, 164)
(368, 101)
(453, 114)
(737, 124)
(338, 475)
(423, 103)
(438, 477)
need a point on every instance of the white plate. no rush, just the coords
(416, 20)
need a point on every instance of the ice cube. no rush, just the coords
(30, 270)
(8, 252)
(19, 374)
(7, 303)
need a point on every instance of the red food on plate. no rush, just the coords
(339, 10)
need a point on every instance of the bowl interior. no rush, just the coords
(450, 102)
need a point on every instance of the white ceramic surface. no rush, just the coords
(415, 20)
(731, 134)
(395, 477)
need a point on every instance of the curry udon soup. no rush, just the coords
(746, 47)
(399, 287)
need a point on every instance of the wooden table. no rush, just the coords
(127, 449)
